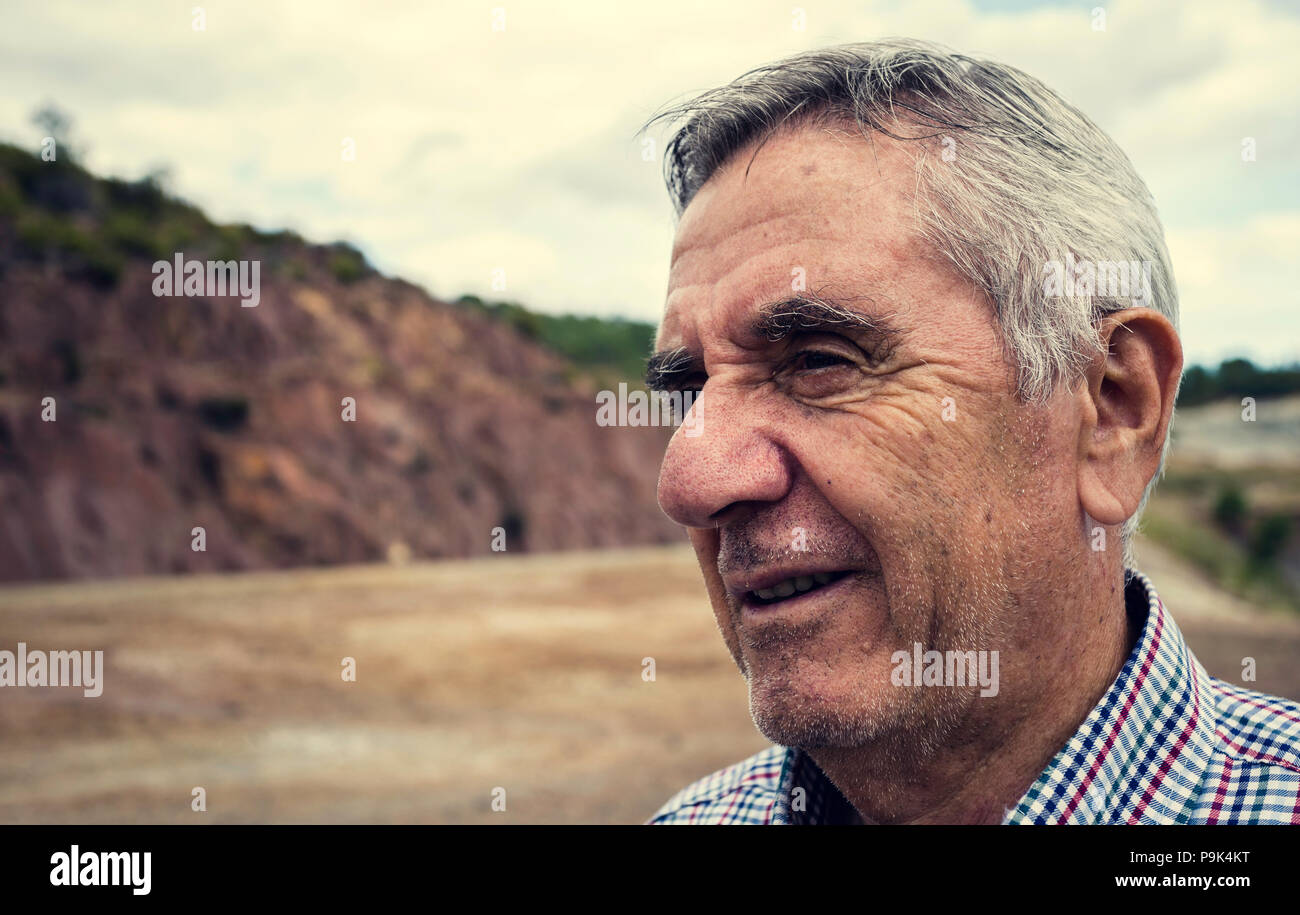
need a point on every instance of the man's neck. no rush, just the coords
(986, 765)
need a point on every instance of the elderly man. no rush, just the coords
(929, 315)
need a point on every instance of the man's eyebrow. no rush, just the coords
(666, 370)
(804, 313)
(808, 312)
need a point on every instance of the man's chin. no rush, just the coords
(791, 717)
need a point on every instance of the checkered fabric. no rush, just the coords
(1168, 743)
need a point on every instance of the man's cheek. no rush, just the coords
(952, 444)
(705, 541)
(899, 431)
(877, 463)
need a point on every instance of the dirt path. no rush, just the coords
(522, 673)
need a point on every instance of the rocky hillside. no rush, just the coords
(179, 412)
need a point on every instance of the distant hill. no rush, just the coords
(180, 412)
(1237, 378)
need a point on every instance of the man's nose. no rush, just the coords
(721, 464)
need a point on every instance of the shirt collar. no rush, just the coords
(1138, 756)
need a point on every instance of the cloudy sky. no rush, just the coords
(479, 148)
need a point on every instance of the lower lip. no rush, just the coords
(799, 600)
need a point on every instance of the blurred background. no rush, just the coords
(459, 227)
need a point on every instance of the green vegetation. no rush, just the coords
(1268, 538)
(1229, 508)
(608, 349)
(45, 236)
(57, 214)
(1235, 526)
(86, 227)
(1237, 378)
(521, 319)
(347, 264)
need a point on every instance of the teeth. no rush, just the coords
(800, 584)
(804, 582)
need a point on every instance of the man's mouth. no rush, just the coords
(792, 587)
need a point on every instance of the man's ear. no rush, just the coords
(1127, 405)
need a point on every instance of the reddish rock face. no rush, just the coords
(176, 413)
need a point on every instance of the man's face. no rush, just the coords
(887, 469)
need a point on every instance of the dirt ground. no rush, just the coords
(521, 673)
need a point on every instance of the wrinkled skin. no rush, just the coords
(963, 515)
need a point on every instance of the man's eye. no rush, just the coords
(809, 360)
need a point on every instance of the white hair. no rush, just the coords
(1011, 179)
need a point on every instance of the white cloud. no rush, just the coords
(1238, 285)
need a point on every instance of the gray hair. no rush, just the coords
(1024, 181)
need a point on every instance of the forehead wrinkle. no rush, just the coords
(734, 244)
(730, 223)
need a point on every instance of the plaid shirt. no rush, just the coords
(1168, 743)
